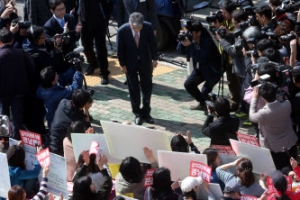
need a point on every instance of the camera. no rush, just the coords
(186, 26)
(22, 25)
(254, 52)
(287, 37)
(283, 74)
(216, 16)
(287, 7)
(64, 37)
(210, 103)
(220, 31)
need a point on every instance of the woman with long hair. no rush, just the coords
(245, 176)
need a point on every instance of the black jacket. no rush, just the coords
(65, 114)
(16, 71)
(221, 130)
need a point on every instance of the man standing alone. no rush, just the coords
(137, 54)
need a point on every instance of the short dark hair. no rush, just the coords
(34, 32)
(47, 76)
(267, 68)
(228, 5)
(196, 26)
(54, 3)
(296, 74)
(222, 107)
(179, 144)
(81, 188)
(239, 15)
(275, 2)
(268, 91)
(80, 97)
(272, 54)
(264, 44)
(131, 171)
(6, 36)
(211, 155)
(264, 10)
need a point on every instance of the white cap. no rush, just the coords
(189, 183)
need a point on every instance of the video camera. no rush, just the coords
(74, 59)
(287, 37)
(210, 103)
(186, 26)
(64, 37)
(22, 25)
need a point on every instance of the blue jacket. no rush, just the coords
(18, 175)
(52, 96)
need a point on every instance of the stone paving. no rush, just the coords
(170, 102)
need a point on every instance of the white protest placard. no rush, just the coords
(129, 140)
(260, 157)
(83, 142)
(215, 190)
(4, 174)
(30, 154)
(179, 163)
(57, 176)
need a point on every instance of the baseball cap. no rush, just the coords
(189, 183)
(232, 186)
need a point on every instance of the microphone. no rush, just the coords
(75, 51)
(78, 49)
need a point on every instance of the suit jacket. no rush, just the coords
(52, 27)
(38, 11)
(129, 53)
(146, 7)
(275, 124)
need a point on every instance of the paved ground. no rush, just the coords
(170, 102)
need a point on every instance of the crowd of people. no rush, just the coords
(41, 78)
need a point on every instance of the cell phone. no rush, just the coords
(254, 83)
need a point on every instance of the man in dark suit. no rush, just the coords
(60, 23)
(137, 54)
(146, 7)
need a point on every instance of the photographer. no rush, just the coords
(62, 26)
(206, 62)
(35, 47)
(294, 90)
(264, 17)
(227, 7)
(273, 5)
(225, 127)
(51, 92)
(275, 124)
(235, 51)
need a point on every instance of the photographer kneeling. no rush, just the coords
(206, 62)
(225, 127)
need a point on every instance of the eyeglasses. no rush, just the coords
(60, 9)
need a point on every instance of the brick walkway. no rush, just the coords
(170, 102)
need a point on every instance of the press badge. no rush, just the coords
(197, 66)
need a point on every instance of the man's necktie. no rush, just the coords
(136, 38)
(62, 23)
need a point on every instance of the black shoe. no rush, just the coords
(199, 106)
(138, 120)
(149, 120)
(125, 82)
(89, 71)
(104, 80)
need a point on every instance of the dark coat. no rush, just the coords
(128, 52)
(16, 71)
(38, 11)
(147, 8)
(52, 28)
(221, 130)
(65, 114)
